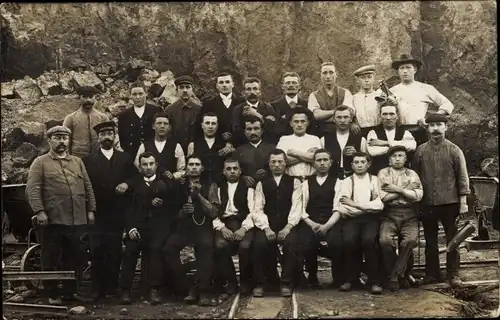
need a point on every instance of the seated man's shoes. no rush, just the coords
(286, 291)
(258, 291)
(376, 289)
(347, 286)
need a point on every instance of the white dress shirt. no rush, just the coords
(303, 144)
(226, 99)
(160, 145)
(139, 111)
(366, 107)
(294, 99)
(231, 209)
(107, 153)
(210, 142)
(362, 193)
(408, 142)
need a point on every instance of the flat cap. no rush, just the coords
(183, 80)
(107, 125)
(58, 130)
(436, 117)
(394, 149)
(87, 91)
(364, 70)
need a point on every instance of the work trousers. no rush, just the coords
(447, 214)
(360, 238)
(309, 244)
(403, 224)
(265, 258)
(106, 248)
(224, 250)
(153, 238)
(202, 238)
(62, 250)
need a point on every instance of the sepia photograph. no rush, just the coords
(249, 160)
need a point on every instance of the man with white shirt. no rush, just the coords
(299, 146)
(135, 124)
(277, 210)
(415, 98)
(254, 155)
(148, 224)
(367, 114)
(387, 135)
(253, 106)
(329, 95)
(290, 85)
(359, 204)
(319, 222)
(222, 105)
(211, 148)
(110, 172)
(232, 227)
(169, 154)
(343, 142)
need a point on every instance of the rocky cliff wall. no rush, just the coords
(456, 41)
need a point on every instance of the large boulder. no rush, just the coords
(49, 84)
(88, 79)
(28, 90)
(8, 90)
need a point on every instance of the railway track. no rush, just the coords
(272, 305)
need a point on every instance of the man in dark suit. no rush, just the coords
(290, 85)
(135, 124)
(255, 107)
(110, 172)
(222, 105)
(148, 224)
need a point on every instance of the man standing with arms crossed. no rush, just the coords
(443, 171)
(60, 193)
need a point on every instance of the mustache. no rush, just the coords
(252, 95)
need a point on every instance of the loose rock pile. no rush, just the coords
(31, 106)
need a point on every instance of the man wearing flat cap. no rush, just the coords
(443, 171)
(83, 139)
(184, 112)
(135, 124)
(110, 172)
(418, 97)
(364, 102)
(60, 193)
(400, 190)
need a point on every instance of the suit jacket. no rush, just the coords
(105, 175)
(283, 109)
(265, 109)
(133, 130)
(224, 114)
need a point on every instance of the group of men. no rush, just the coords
(271, 182)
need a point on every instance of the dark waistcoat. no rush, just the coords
(212, 162)
(240, 199)
(278, 201)
(332, 145)
(320, 203)
(166, 158)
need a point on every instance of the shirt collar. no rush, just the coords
(253, 105)
(53, 155)
(150, 179)
(294, 99)
(256, 144)
(104, 151)
(228, 97)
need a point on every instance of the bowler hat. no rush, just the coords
(406, 58)
(436, 117)
(87, 91)
(107, 125)
(364, 70)
(58, 130)
(394, 149)
(183, 80)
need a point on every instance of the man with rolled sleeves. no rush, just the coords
(329, 95)
(233, 225)
(184, 112)
(400, 190)
(364, 103)
(442, 169)
(60, 193)
(83, 139)
(135, 124)
(277, 210)
(416, 98)
(110, 172)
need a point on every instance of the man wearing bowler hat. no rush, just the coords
(184, 112)
(110, 172)
(443, 171)
(418, 97)
(83, 140)
(60, 193)
(364, 102)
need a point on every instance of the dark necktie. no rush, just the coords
(292, 104)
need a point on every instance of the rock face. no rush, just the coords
(116, 43)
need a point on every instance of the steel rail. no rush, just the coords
(35, 308)
(38, 275)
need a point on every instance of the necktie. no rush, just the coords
(292, 104)
(90, 133)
